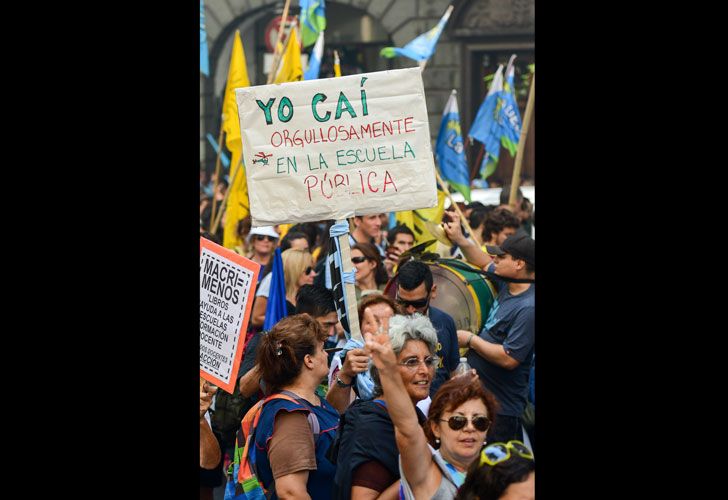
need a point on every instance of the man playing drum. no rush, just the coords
(502, 352)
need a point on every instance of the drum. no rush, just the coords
(463, 293)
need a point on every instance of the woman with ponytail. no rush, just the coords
(294, 434)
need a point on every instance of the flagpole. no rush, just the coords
(223, 203)
(217, 176)
(515, 180)
(352, 312)
(276, 54)
(444, 187)
(337, 64)
(478, 162)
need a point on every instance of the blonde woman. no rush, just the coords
(297, 271)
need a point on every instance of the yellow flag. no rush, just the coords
(237, 204)
(291, 68)
(415, 220)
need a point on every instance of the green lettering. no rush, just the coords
(407, 147)
(339, 153)
(285, 102)
(266, 109)
(278, 165)
(322, 161)
(316, 99)
(343, 102)
(364, 110)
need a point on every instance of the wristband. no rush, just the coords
(470, 339)
(341, 383)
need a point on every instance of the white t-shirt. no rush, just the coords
(264, 287)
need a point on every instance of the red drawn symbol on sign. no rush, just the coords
(262, 158)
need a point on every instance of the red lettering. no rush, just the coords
(399, 123)
(330, 186)
(336, 135)
(309, 185)
(337, 178)
(408, 122)
(388, 180)
(369, 182)
(287, 138)
(271, 139)
(374, 129)
(321, 132)
(352, 132)
(361, 178)
(384, 126)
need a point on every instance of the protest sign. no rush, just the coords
(337, 147)
(227, 288)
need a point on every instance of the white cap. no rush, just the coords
(463, 360)
(265, 231)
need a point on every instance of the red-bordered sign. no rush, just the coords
(271, 32)
(227, 289)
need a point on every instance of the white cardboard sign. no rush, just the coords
(337, 147)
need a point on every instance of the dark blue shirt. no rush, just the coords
(447, 347)
(511, 323)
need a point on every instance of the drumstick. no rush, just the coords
(457, 209)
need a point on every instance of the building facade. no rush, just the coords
(479, 35)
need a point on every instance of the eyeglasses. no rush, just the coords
(417, 304)
(358, 260)
(308, 270)
(457, 422)
(261, 237)
(413, 363)
(500, 452)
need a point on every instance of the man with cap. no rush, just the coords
(502, 352)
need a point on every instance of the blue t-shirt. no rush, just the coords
(447, 347)
(511, 323)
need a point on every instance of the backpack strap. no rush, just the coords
(247, 460)
(311, 417)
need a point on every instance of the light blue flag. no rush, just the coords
(486, 127)
(510, 117)
(223, 157)
(314, 62)
(313, 20)
(422, 47)
(204, 61)
(450, 151)
(276, 309)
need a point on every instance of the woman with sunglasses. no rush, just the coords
(366, 451)
(371, 275)
(505, 471)
(433, 460)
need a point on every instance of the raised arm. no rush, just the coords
(472, 252)
(417, 463)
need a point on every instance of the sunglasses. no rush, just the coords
(261, 237)
(500, 452)
(417, 304)
(457, 422)
(308, 270)
(413, 363)
(358, 260)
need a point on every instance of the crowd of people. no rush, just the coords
(392, 416)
